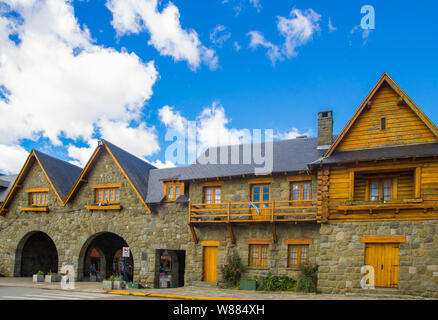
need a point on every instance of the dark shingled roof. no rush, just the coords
(6, 183)
(61, 174)
(288, 155)
(421, 150)
(155, 187)
(136, 169)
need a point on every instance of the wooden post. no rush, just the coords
(190, 213)
(272, 211)
(228, 212)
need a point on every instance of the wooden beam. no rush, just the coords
(383, 239)
(274, 232)
(230, 230)
(192, 230)
(259, 241)
(210, 243)
(418, 182)
(298, 241)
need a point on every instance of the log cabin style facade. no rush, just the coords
(368, 196)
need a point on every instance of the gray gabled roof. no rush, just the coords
(287, 156)
(6, 183)
(136, 169)
(407, 151)
(155, 186)
(61, 174)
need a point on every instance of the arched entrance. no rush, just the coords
(101, 257)
(36, 251)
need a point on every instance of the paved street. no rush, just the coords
(21, 293)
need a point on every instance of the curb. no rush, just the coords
(168, 296)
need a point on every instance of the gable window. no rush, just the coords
(38, 198)
(300, 191)
(297, 254)
(173, 190)
(212, 195)
(258, 255)
(107, 195)
(382, 123)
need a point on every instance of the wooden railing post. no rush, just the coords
(272, 210)
(229, 212)
(190, 212)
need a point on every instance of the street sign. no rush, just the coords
(125, 252)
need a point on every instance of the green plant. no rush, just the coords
(307, 282)
(275, 283)
(111, 278)
(51, 273)
(40, 273)
(232, 270)
(118, 278)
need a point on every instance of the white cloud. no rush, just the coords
(365, 33)
(166, 33)
(273, 52)
(256, 4)
(298, 30)
(160, 165)
(172, 119)
(237, 46)
(219, 35)
(12, 158)
(82, 154)
(293, 133)
(331, 26)
(58, 83)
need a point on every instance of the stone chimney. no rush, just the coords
(325, 129)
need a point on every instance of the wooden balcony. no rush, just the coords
(230, 213)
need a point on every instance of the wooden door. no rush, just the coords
(384, 257)
(210, 264)
(260, 197)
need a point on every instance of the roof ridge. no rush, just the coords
(55, 158)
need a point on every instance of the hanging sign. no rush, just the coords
(125, 252)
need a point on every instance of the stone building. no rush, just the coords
(366, 197)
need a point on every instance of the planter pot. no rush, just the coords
(38, 278)
(119, 284)
(108, 285)
(248, 285)
(52, 278)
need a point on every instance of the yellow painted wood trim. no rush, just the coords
(258, 241)
(83, 173)
(37, 190)
(418, 182)
(389, 168)
(260, 180)
(210, 243)
(104, 208)
(169, 180)
(39, 209)
(383, 239)
(212, 183)
(126, 176)
(299, 178)
(298, 241)
(107, 185)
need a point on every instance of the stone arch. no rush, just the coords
(107, 243)
(35, 251)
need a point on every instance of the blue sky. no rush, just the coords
(236, 87)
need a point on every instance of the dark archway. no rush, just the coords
(169, 268)
(102, 252)
(36, 251)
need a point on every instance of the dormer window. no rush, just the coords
(172, 190)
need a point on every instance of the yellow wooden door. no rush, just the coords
(260, 197)
(384, 257)
(210, 264)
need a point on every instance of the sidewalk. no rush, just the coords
(202, 293)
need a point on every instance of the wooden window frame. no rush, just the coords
(261, 185)
(299, 247)
(258, 247)
(173, 185)
(301, 190)
(115, 190)
(381, 183)
(40, 195)
(213, 195)
(383, 124)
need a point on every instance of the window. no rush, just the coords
(212, 195)
(258, 255)
(301, 191)
(173, 190)
(297, 254)
(383, 123)
(261, 195)
(38, 198)
(380, 190)
(108, 195)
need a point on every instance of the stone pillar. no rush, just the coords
(325, 129)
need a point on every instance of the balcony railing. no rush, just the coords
(244, 212)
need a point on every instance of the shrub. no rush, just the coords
(232, 270)
(275, 283)
(40, 273)
(111, 278)
(51, 273)
(307, 282)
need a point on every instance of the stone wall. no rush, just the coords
(342, 255)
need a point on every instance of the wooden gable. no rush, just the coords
(404, 122)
